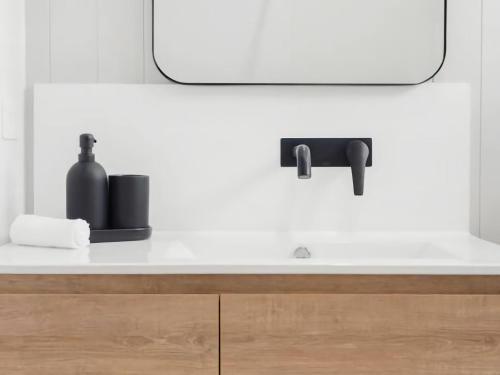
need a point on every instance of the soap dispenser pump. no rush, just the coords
(87, 187)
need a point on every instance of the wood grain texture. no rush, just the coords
(266, 284)
(360, 335)
(108, 335)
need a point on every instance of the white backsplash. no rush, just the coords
(213, 153)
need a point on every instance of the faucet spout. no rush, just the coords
(302, 154)
(357, 153)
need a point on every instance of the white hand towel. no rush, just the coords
(48, 232)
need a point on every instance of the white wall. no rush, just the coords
(110, 41)
(490, 155)
(463, 64)
(213, 153)
(12, 86)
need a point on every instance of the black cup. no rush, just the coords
(128, 201)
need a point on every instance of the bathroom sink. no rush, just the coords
(270, 248)
(424, 253)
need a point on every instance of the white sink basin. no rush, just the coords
(278, 247)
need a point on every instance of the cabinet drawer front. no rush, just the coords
(360, 334)
(109, 334)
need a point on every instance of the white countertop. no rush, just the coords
(433, 253)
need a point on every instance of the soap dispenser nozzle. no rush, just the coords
(87, 142)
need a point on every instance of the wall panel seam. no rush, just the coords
(480, 130)
(50, 40)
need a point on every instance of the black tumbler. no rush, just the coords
(128, 201)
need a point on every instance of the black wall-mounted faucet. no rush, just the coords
(304, 153)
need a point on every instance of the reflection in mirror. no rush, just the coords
(299, 41)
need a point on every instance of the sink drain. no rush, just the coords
(302, 252)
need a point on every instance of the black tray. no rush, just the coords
(119, 235)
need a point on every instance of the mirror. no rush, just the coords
(299, 41)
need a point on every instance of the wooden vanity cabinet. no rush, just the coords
(249, 325)
(360, 334)
(70, 334)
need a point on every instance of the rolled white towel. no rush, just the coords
(49, 232)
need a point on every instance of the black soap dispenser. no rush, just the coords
(87, 187)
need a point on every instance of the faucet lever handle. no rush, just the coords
(357, 153)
